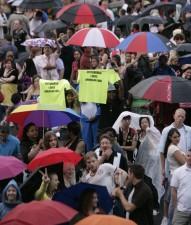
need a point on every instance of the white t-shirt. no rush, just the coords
(181, 180)
(104, 176)
(173, 163)
(182, 143)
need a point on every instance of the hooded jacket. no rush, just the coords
(6, 206)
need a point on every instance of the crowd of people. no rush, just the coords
(146, 168)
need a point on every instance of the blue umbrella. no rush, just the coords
(70, 196)
(145, 42)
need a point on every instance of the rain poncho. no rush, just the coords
(6, 206)
(149, 157)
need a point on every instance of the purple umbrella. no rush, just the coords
(30, 113)
(10, 167)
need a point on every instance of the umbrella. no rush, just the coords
(94, 37)
(105, 220)
(126, 20)
(71, 196)
(185, 47)
(149, 20)
(145, 42)
(25, 114)
(39, 42)
(50, 25)
(10, 167)
(82, 13)
(39, 4)
(53, 156)
(168, 89)
(165, 6)
(40, 213)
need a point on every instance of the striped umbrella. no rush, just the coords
(145, 42)
(168, 89)
(94, 37)
(82, 13)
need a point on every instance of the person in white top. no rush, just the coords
(185, 135)
(35, 22)
(184, 144)
(181, 192)
(102, 174)
(175, 156)
(46, 63)
(104, 4)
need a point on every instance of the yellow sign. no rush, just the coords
(94, 84)
(52, 94)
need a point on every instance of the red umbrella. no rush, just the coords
(45, 212)
(168, 89)
(54, 156)
(10, 167)
(94, 37)
(82, 13)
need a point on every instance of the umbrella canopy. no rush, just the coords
(145, 42)
(25, 114)
(126, 20)
(50, 25)
(39, 42)
(82, 13)
(71, 196)
(39, 4)
(149, 20)
(10, 167)
(105, 220)
(94, 37)
(40, 213)
(185, 47)
(164, 6)
(168, 89)
(53, 156)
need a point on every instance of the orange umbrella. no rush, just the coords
(105, 220)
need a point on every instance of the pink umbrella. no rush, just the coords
(39, 42)
(94, 37)
(10, 167)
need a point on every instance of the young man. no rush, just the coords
(138, 203)
(181, 194)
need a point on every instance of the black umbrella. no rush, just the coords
(126, 20)
(167, 32)
(50, 25)
(165, 6)
(40, 4)
(185, 47)
(149, 20)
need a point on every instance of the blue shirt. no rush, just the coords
(11, 147)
